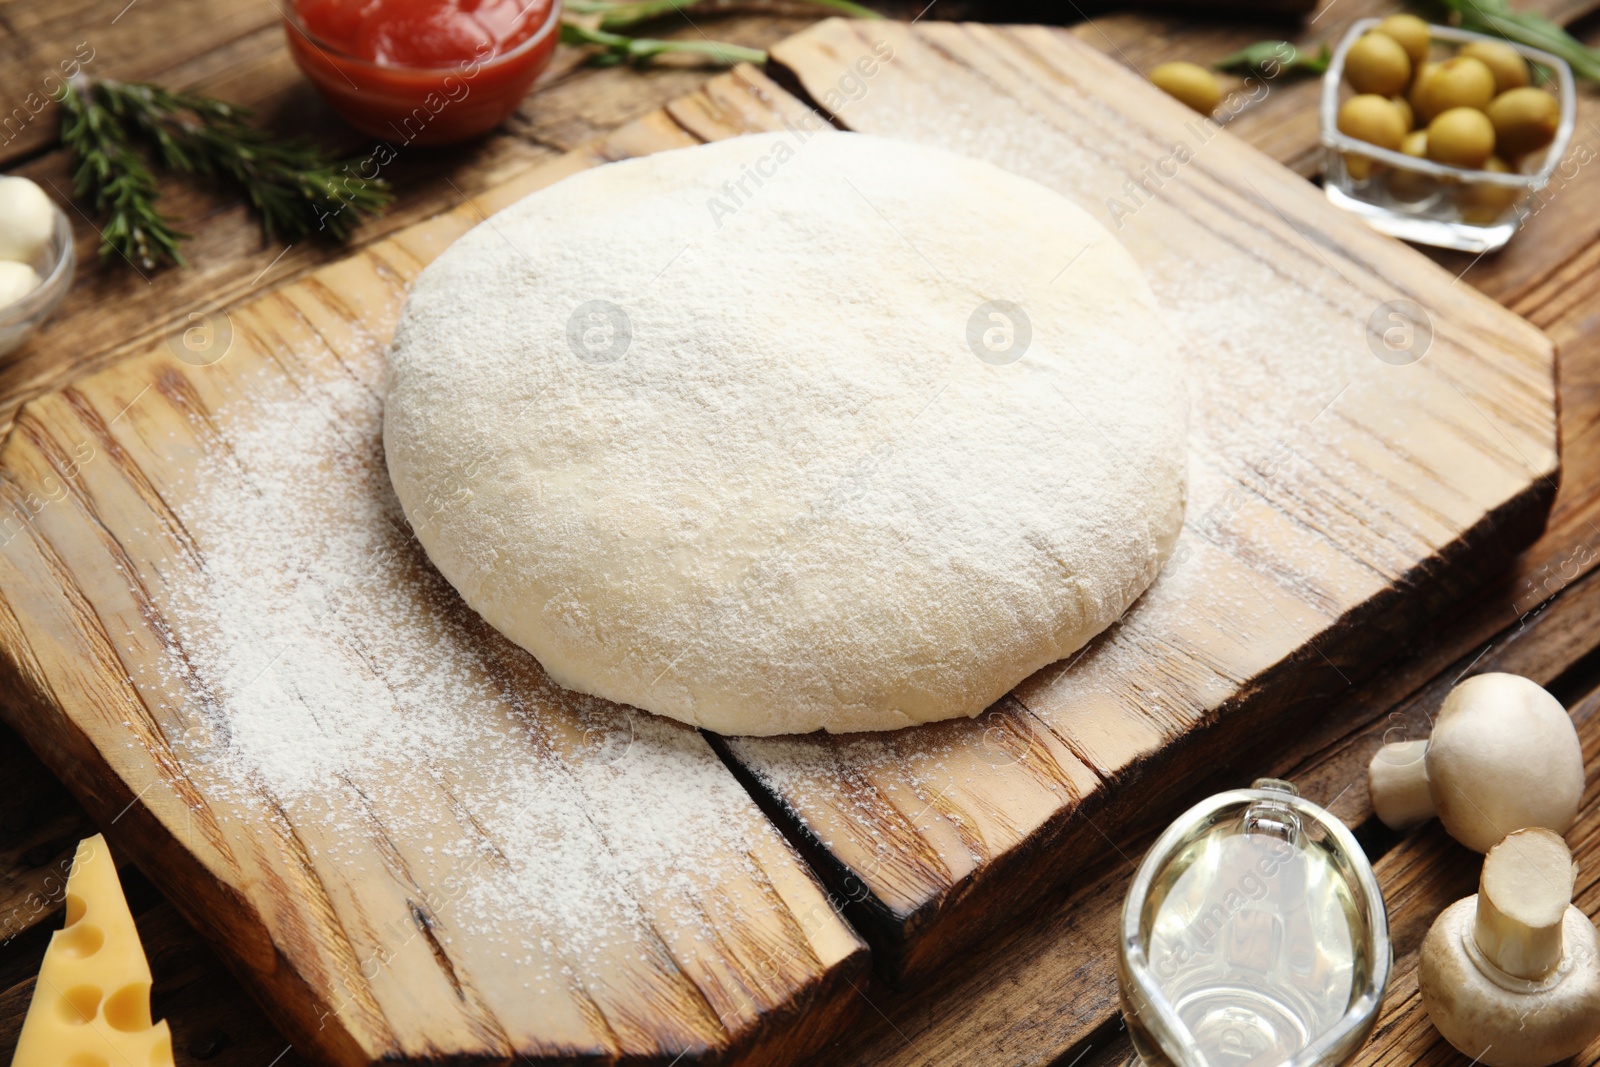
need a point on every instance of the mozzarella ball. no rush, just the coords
(17, 280)
(27, 220)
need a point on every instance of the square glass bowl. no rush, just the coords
(1431, 203)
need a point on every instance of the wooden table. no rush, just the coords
(1045, 992)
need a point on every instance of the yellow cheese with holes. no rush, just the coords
(91, 1007)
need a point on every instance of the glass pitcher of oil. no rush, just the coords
(1254, 935)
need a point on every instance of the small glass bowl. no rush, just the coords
(421, 105)
(1427, 202)
(56, 265)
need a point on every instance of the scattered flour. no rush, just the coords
(338, 674)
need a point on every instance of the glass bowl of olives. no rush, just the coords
(1442, 136)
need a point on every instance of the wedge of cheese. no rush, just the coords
(91, 1007)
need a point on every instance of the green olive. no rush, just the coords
(1410, 185)
(1412, 34)
(1510, 70)
(1407, 116)
(1377, 64)
(1524, 120)
(1457, 82)
(1416, 84)
(1189, 82)
(1461, 137)
(1482, 204)
(1373, 119)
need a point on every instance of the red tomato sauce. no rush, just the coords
(423, 71)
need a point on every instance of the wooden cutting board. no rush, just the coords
(1340, 491)
(199, 545)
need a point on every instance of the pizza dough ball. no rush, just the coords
(791, 432)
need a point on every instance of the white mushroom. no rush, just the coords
(1511, 976)
(1503, 756)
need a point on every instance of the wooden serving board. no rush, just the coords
(542, 875)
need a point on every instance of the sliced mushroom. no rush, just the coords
(1503, 756)
(1523, 896)
(1511, 976)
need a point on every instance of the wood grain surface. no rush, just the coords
(1043, 992)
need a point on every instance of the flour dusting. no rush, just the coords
(336, 672)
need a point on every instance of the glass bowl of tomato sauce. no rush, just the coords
(424, 72)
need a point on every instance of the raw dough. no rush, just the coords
(745, 434)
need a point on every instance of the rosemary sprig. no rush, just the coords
(1274, 59)
(1497, 17)
(619, 48)
(122, 186)
(620, 14)
(295, 187)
